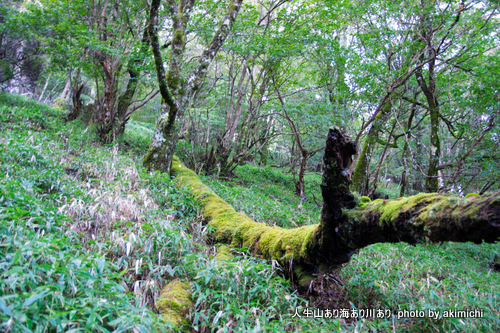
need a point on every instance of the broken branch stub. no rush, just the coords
(327, 244)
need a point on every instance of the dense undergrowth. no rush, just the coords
(266, 195)
(80, 238)
(88, 239)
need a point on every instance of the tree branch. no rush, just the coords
(155, 45)
(195, 80)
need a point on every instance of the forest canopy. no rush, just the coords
(415, 83)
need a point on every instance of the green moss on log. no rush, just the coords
(363, 201)
(304, 278)
(238, 229)
(175, 303)
(391, 210)
(437, 217)
(428, 216)
(223, 253)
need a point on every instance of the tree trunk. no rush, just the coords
(76, 97)
(417, 184)
(77, 103)
(263, 152)
(360, 174)
(65, 93)
(304, 154)
(225, 147)
(44, 88)
(346, 225)
(429, 90)
(234, 114)
(125, 100)
(426, 37)
(381, 160)
(406, 157)
(175, 90)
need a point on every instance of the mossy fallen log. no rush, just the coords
(223, 254)
(239, 230)
(346, 223)
(425, 217)
(175, 303)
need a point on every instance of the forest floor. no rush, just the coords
(89, 238)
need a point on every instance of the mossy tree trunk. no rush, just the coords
(362, 168)
(347, 225)
(162, 148)
(177, 91)
(429, 89)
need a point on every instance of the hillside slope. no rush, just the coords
(89, 238)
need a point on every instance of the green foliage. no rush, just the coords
(58, 274)
(138, 135)
(246, 294)
(452, 276)
(241, 291)
(50, 278)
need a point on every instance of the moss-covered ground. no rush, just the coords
(89, 239)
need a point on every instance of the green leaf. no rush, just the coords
(16, 257)
(16, 269)
(142, 329)
(5, 309)
(100, 264)
(116, 321)
(33, 298)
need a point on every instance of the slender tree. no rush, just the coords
(177, 90)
